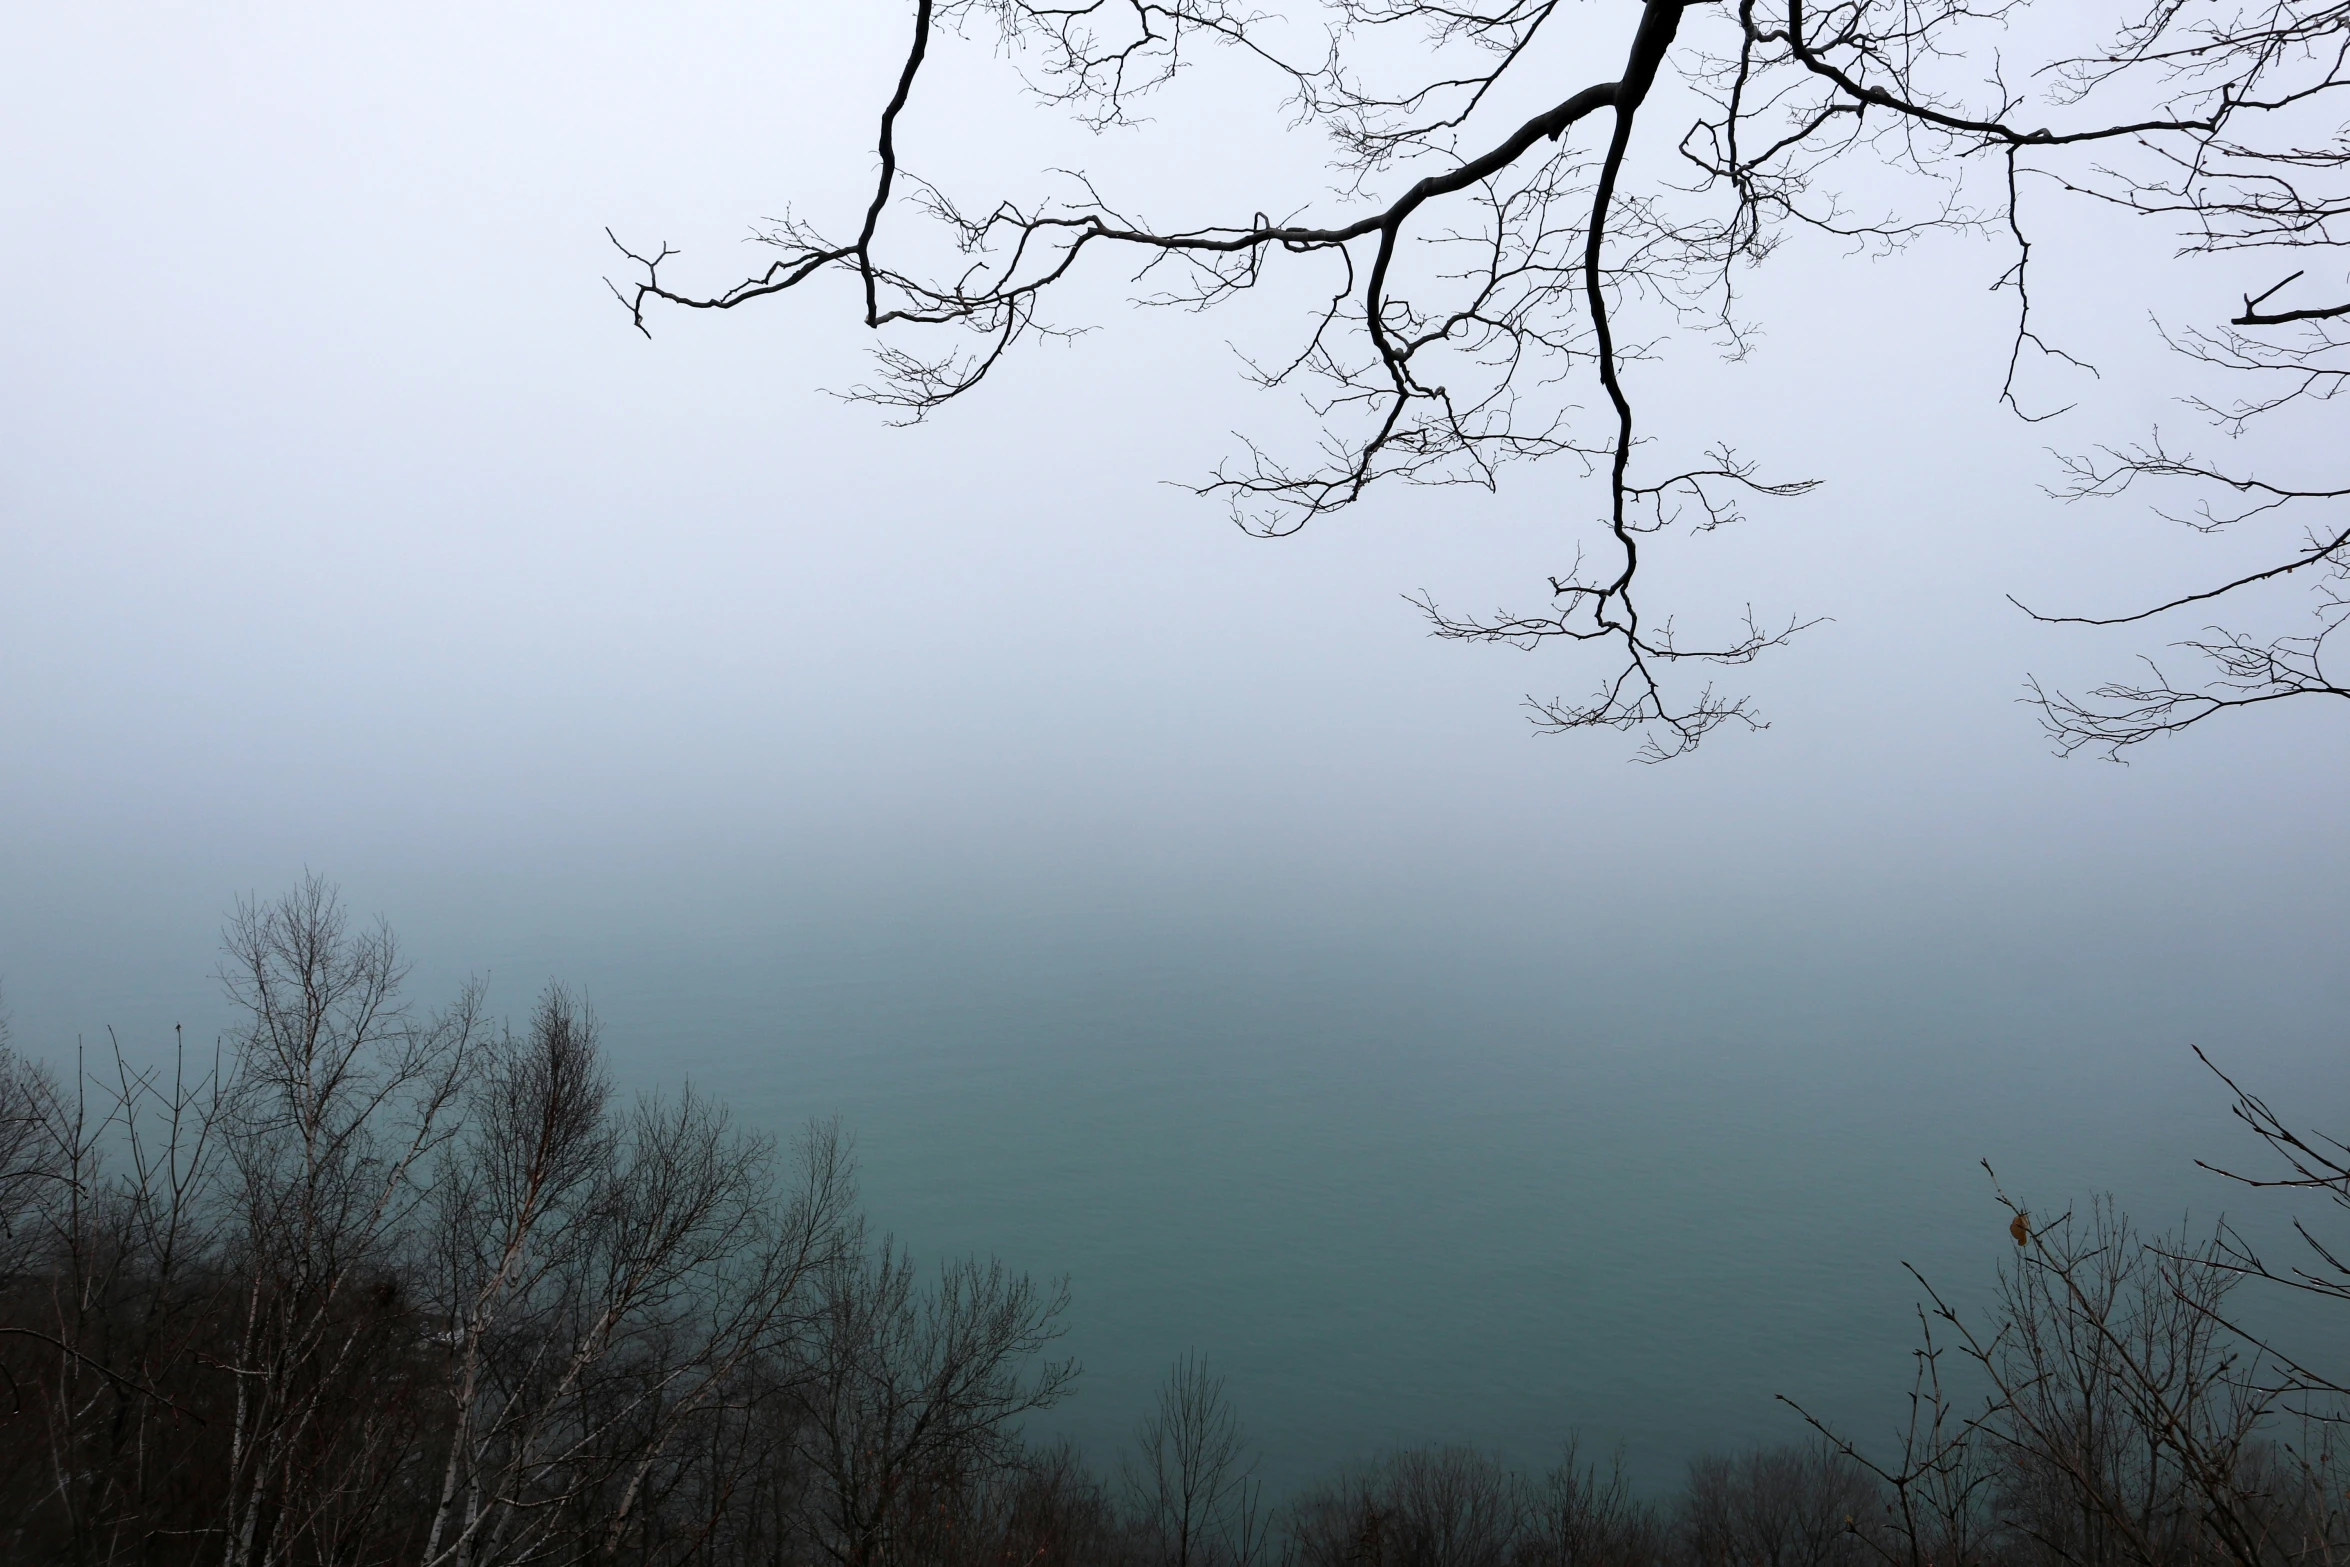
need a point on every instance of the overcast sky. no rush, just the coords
(348, 525)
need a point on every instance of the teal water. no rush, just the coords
(1426, 1180)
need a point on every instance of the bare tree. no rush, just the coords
(1040, 1506)
(914, 1393)
(604, 1284)
(2131, 1417)
(2306, 1493)
(1777, 1507)
(2306, 1161)
(340, 1099)
(28, 1151)
(1190, 1477)
(109, 1309)
(1580, 1516)
(1514, 236)
(1431, 1507)
(1941, 1480)
(2122, 1421)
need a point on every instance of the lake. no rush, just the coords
(1429, 1175)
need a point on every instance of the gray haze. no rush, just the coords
(1156, 904)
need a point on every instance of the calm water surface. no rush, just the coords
(1462, 1179)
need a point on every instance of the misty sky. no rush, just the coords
(346, 524)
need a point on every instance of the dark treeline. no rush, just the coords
(383, 1286)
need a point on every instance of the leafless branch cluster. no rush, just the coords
(1513, 231)
(1190, 1475)
(380, 1286)
(1459, 1505)
(2305, 1161)
(2116, 1414)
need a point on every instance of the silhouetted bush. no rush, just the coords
(1778, 1507)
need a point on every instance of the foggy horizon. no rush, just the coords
(1154, 904)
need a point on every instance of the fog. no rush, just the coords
(1156, 903)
